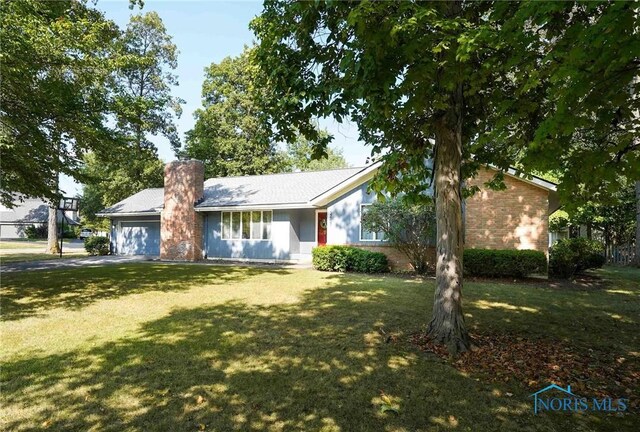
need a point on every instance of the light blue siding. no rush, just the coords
(344, 217)
(278, 248)
(303, 231)
(136, 236)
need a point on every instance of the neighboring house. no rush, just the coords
(282, 217)
(29, 211)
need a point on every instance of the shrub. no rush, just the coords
(36, 232)
(570, 256)
(348, 258)
(503, 262)
(97, 245)
(363, 261)
(408, 226)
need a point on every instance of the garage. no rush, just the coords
(139, 238)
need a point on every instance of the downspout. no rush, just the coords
(205, 234)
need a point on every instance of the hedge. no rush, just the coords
(97, 245)
(570, 256)
(503, 262)
(348, 258)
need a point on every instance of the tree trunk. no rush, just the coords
(53, 245)
(447, 325)
(637, 257)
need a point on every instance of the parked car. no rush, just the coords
(85, 233)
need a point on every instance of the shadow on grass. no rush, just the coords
(26, 294)
(319, 364)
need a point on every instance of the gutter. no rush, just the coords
(257, 207)
(115, 215)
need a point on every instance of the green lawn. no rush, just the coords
(183, 348)
(13, 251)
(24, 244)
(26, 257)
(21, 244)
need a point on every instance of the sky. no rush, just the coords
(205, 32)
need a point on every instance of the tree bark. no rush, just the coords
(447, 325)
(53, 245)
(637, 257)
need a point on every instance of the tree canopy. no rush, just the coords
(144, 107)
(300, 156)
(56, 63)
(539, 86)
(144, 104)
(231, 135)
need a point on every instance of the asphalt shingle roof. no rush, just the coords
(280, 189)
(286, 188)
(146, 201)
(29, 211)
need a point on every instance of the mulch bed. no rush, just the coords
(538, 362)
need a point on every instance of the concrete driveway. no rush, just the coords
(123, 259)
(71, 263)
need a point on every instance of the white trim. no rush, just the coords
(350, 183)
(250, 224)
(116, 215)
(534, 181)
(360, 230)
(255, 207)
(316, 230)
(139, 220)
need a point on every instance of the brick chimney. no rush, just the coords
(181, 225)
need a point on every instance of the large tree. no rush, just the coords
(116, 180)
(231, 135)
(533, 84)
(56, 63)
(143, 107)
(301, 157)
(144, 104)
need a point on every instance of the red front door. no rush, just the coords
(322, 229)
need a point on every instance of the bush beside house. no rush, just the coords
(408, 227)
(504, 262)
(36, 231)
(97, 245)
(575, 255)
(348, 258)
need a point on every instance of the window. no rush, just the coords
(246, 225)
(368, 235)
(256, 228)
(226, 225)
(235, 225)
(266, 225)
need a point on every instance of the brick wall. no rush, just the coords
(515, 218)
(398, 261)
(181, 225)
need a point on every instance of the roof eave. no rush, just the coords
(124, 214)
(288, 206)
(532, 180)
(354, 181)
